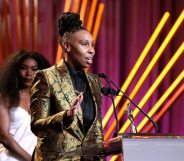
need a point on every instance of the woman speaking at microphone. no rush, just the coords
(66, 100)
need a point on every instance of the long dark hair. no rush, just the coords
(9, 76)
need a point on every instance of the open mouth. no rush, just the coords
(90, 60)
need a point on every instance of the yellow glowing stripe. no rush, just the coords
(162, 99)
(91, 15)
(156, 83)
(151, 64)
(17, 22)
(67, 5)
(35, 24)
(114, 158)
(83, 9)
(162, 74)
(131, 75)
(137, 65)
(179, 91)
(98, 20)
(109, 131)
(166, 107)
(75, 5)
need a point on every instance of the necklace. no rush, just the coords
(78, 92)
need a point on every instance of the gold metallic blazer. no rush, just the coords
(53, 94)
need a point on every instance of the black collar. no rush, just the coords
(74, 72)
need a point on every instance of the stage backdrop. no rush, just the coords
(125, 29)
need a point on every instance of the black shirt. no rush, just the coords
(80, 83)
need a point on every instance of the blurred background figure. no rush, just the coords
(16, 77)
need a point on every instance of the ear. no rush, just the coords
(67, 46)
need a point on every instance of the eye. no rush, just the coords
(93, 45)
(84, 43)
(34, 69)
(22, 67)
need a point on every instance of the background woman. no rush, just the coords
(17, 74)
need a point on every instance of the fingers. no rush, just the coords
(80, 97)
(75, 102)
(76, 105)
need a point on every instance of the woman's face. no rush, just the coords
(27, 72)
(80, 49)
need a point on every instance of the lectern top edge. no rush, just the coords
(150, 135)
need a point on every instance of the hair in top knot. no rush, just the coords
(69, 22)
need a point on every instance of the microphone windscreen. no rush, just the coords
(106, 91)
(102, 75)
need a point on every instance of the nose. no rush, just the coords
(91, 50)
(29, 72)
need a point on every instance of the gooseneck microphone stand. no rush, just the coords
(102, 75)
(114, 109)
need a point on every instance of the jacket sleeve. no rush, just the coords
(97, 85)
(42, 122)
(99, 137)
(99, 134)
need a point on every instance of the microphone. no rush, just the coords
(102, 75)
(112, 92)
(107, 90)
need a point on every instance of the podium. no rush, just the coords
(153, 148)
(138, 147)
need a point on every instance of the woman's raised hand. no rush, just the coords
(76, 106)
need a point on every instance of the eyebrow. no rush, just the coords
(28, 66)
(87, 40)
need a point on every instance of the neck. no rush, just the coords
(27, 90)
(71, 65)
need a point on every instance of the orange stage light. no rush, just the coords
(26, 23)
(83, 9)
(1, 38)
(59, 53)
(17, 23)
(67, 5)
(35, 24)
(91, 15)
(7, 27)
(75, 7)
(98, 21)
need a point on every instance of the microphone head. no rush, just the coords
(106, 91)
(102, 75)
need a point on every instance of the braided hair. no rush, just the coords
(68, 23)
